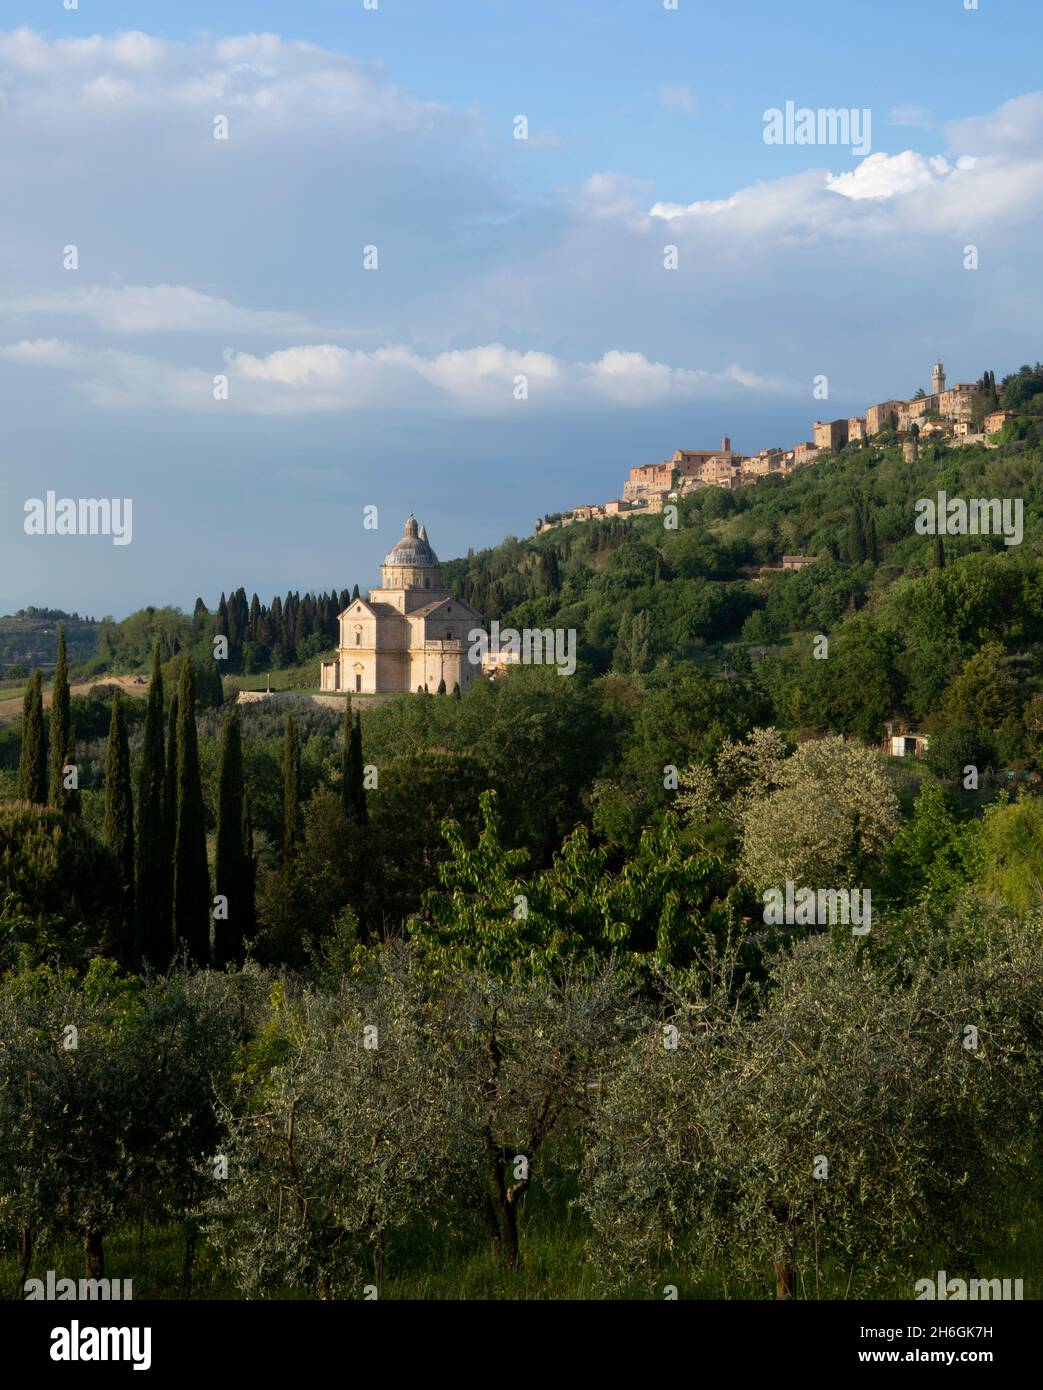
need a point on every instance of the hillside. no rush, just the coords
(30, 638)
(904, 614)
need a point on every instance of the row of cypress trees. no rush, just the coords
(353, 781)
(278, 630)
(162, 855)
(171, 871)
(442, 689)
(38, 782)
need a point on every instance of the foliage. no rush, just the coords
(153, 869)
(191, 896)
(119, 805)
(1012, 851)
(843, 1121)
(32, 766)
(490, 915)
(54, 868)
(61, 730)
(108, 1095)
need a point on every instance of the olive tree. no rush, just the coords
(406, 1094)
(106, 1095)
(347, 1138)
(846, 1121)
(525, 1058)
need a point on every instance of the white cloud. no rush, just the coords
(609, 194)
(1015, 127)
(882, 175)
(267, 81)
(45, 352)
(152, 309)
(108, 144)
(323, 377)
(668, 211)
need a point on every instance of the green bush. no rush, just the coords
(54, 868)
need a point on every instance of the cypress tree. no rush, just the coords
(939, 553)
(153, 852)
(59, 724)
(32, 760)
(456, 691)
(211, 688)
(856, 538)
(231, 871)
(72, 798)
(441, 687)
(640, 641)
(249, 906)
(553, 574)
(170, 798)
(345, 758)
(869, 529)
(119, 803)
(355, 786)
(624, 647)
(291, 792)
(232, 623)
(191, 871)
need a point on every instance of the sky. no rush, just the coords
(643, 272)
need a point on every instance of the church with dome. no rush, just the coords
(410, 632)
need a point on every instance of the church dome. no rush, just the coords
(413, 549)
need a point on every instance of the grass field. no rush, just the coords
(439, 1265)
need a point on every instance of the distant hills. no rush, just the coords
(30, 638)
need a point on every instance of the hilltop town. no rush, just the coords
(966, 413)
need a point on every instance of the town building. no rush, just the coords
(647, 476)
(830, 434)
(915, 411)
(947, 413)
(689, 463)
(995, 421)
(882, 417)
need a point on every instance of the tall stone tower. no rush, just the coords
(937, 379)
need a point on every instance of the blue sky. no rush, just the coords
(497, 257)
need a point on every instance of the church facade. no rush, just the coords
(410, 632)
